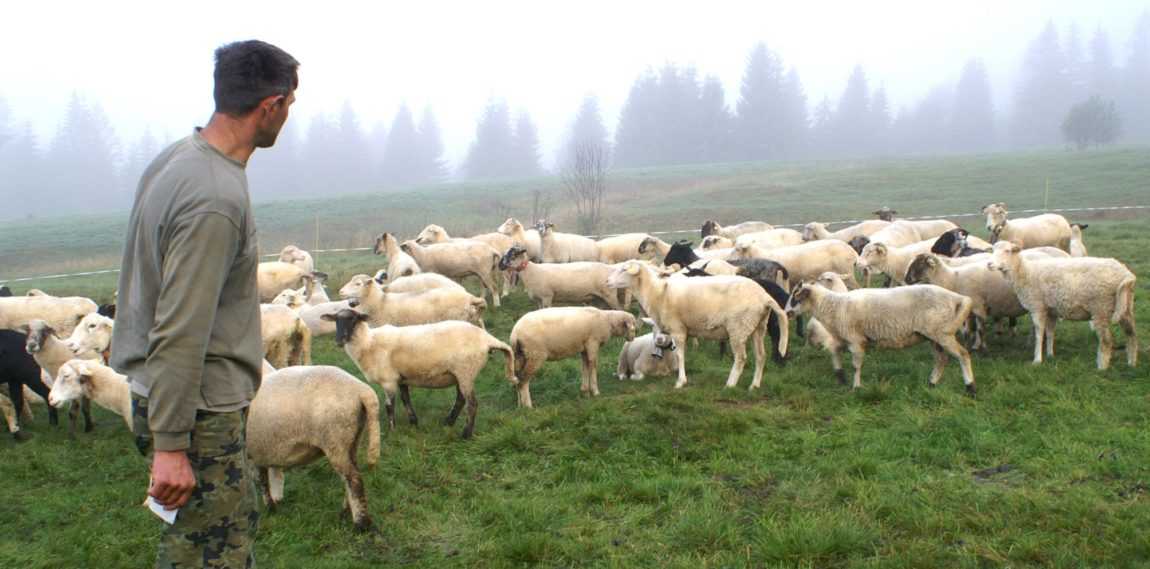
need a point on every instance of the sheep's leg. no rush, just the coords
(773, 330)
(760, 353)
(275, 485)
(1039, 320)
(390, 406)
(16, 394)
(857, 354)
(86, 409)
(837, 363)
(681, 355)
(506, 284)
(1105, 340)
(593, 367)
(9, 411)
(472, 408)
(951, 345)
(1051, 323)
(627, 299)
(405, 396)
(525, 375)
(940, 360)
(343, 461)
(456, 408)
(739, 350)
(1127, 323)
(585, 372)
(489, 285)
(26, 411)
(265, 488)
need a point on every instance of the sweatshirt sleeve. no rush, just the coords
(200, 252)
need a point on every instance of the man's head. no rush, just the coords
(256, 82)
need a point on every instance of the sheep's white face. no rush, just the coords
(811, 229)
(293, 299)
(431, 234)
(995, 215)
(356, 287)
(831, 281)
(872, 254)
(510, 227)
(624, 275)
(717, 242)
(38, 331)
(1003, 257)
(69, 383)
(93, 334)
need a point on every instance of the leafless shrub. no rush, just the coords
(585, 181)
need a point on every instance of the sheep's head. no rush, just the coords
(5, 291)
(381, 276)
(291, 298)
(800, 300)
(812, 230)
(71, 383)
(624, 275)
(995, 217)
(921, 269)
(544, 228)
(510, 227)
(381, 243)
(710, 227)
(858, 243)
(515, 259)
(407, 246)
(38, 331)
(357, 287)
(291, 253)
(680, 253)
(833, 281)
(346, 322)
(647, 244)
(872, 254)
(885, 213)
(1076, 230)
(1005, 255)
(950, 243)
(622, 324)
(665, 342)
(431, 234)
(716, 242)
(92, 335)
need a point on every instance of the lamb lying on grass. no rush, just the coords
(647, 355)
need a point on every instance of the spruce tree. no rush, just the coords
(402, 153)
(587, 130)
(1135, 90)
(714, 123)
(1101, 74)
(637, 131)
(759, 109)
(430, 167)
(84, 154)
(972, 115)
(1043, 94)
(525, 143)
(794, 132)
(491, 154)
(852, 118)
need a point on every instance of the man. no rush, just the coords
(187, 329)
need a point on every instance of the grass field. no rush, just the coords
(1047, 468)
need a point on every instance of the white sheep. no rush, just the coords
(1079, 288)
(399, 263)
(407, 308)
(527, 238)
(51, 352)
(286, 337)
(890, 260)
(619, 248)
(298, 257)
(711, 227)
(434, 356)
(930, 228)
(891, 318)
(92, 380)
(547, 283)
(814, 231)
(1047, 229)
(991, 295)
(807, 261)
(303, 413)
(274, 276)
(817, 334)
(458, 259)
(1077, 245)
(637, 358)
(552, 334)
(61, 313)
(772, 239)
(311, 314)
(559, 247)
(719, 308)
(652, 248)
(498, 241)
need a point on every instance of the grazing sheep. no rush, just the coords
(891, 318)
(808, 260)
(552, 334)
(559, 247)
(777, 291)
(711, 227)
(527, 238)
(718, 308)
(61, 313)
(399, 263)
(95, 381)
(274, 276)
(286, 337)
(19, 369)
(407, 308)
(303, 413)
(1048, 229)
(817, 334)
(619, 248)
(456, 260)
(1079, 288)
(298, 257)
(991, 295)
(51, 352)
(432, 356)
(564, 282)
(645, 355)
(889, 260)
(498, 241)
(1077, 245)
(814, 231)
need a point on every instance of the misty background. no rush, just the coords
(398, 98)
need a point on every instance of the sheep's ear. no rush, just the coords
(1083, 226)
(647, 321)
(932, 261)
(84, 370)
(1015, 248)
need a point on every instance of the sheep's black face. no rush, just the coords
(512, 257)
(37, 334)
(5, 291)
(797, 303)
(379, 248)
(858, 243)
(710, 227)
(346, 321)
(948, 244)
(918, 270)
(681, 254)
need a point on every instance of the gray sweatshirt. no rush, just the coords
(187, 330)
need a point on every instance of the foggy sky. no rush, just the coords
(150, 65)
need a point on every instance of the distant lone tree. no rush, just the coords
(584, 178)
(1094, 121)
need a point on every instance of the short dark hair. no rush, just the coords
(249, 71)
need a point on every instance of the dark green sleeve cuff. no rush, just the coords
(171, 441)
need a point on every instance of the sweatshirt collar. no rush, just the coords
(202, 143)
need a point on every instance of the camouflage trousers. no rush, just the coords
(217, 527)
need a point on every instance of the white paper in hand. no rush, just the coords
(169, 516)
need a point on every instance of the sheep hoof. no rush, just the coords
(931, 385)
(971, 391)
(841, 376)
(365, 525)
(621, 376)
(21, 436)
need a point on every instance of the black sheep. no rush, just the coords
(17, 369)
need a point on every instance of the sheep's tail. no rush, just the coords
(493, 343)
(784, 325)
(370, 402)
(1124, 301)
(962, 312)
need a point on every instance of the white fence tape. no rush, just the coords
(667, 232)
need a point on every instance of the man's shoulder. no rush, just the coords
(183, 181)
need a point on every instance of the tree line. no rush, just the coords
(1070, 89)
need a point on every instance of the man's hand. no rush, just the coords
(172, 479)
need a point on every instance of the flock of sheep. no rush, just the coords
(413, 325)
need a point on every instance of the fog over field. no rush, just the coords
(394, 96)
